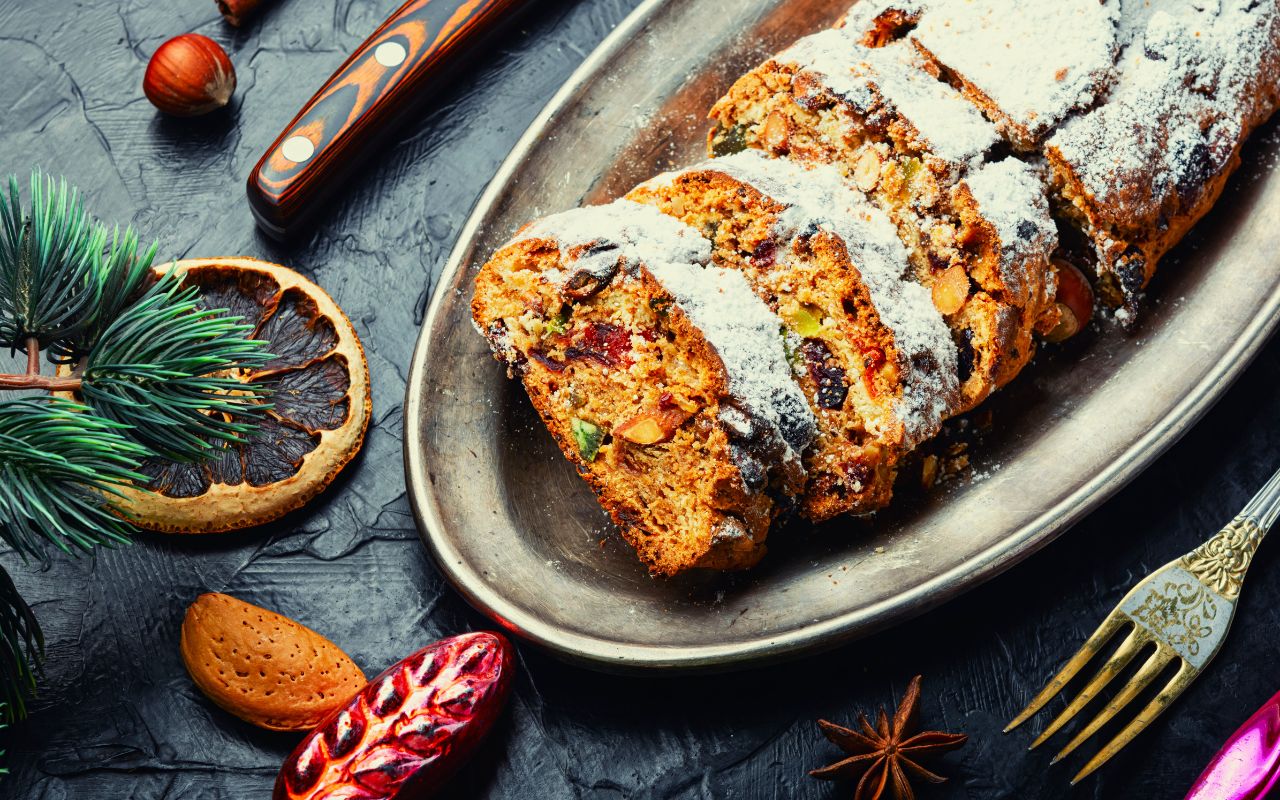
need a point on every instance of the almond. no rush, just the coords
(951, 290)
(1074, 299)
(263, 667)
(775, 133)
(866, 172)
(657, 426)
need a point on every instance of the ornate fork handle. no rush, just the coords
(1222, 561)
(1247, 766)
(1184, 609)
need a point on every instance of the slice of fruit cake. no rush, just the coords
(872, 353)
(1138, 170)
(922, 153)
(663, 380)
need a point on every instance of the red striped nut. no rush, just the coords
(409, 729)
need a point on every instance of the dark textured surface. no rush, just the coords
(118, 717)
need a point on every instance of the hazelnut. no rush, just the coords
(189, 75)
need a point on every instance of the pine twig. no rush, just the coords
(161, 370)
(48, 383)
(32, 379)
(59, 466)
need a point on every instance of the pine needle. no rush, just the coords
(59, 466)
(164, 370)
(21, 650)
(48, 286)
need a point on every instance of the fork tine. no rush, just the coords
(1141, 680)
(1176, 686)
(1090, 648)
(1130, 647)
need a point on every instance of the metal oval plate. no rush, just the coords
(520, 535)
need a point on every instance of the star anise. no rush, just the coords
(885, 756)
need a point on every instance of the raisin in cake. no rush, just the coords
(664, 380)
(873, 355)
(911, 143)
(1136, 172)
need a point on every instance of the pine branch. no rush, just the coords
(21, 651)
(123, 276)
(59, 467)
(158, 375)
(48, 285)
(165, 370)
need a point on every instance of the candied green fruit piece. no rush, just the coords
(805, 321)
(559, 323)
(728, 141)
(588, 436)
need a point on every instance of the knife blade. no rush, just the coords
(380, 84)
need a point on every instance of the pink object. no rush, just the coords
(1248, 765)
(405, 733)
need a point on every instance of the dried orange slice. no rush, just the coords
(320, 407)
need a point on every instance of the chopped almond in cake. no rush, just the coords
(664, 380)
(871, 351)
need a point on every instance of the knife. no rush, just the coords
(378, 86)
(1248, 765)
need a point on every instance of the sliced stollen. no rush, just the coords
(665, 381)
(911, 142)
(1137, 171)
(871, 352)
(1027, 69)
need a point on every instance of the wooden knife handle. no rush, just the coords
(374, 89)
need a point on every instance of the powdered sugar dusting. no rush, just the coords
(1035, 66)
(861, 17)
(892, 80)
(1196, 75)
(747, 336)
(819, 197)
(640, 233)
(1010, 195)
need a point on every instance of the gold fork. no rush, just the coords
(1184, 609)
